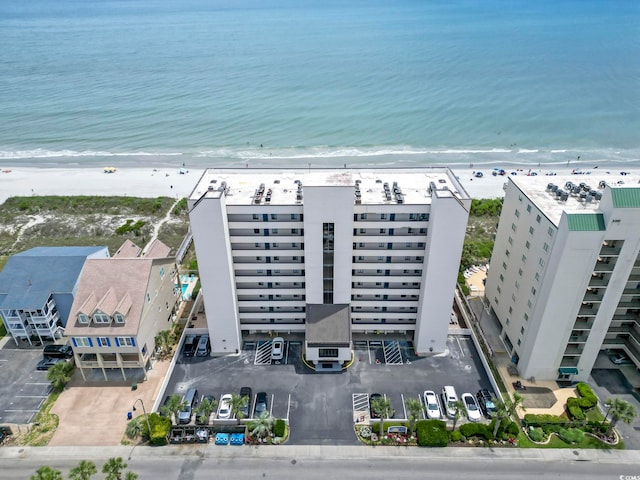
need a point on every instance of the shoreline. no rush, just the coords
(168, 181)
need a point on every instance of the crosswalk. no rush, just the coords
(360, 407)
(263, 353)
(392, 352)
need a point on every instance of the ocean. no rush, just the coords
(302, 82)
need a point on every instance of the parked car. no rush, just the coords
(277, 348)
(204, 346)
(58, 351)
(190, 400)
(431, 404)
(245, 392)
(373, 397)
(449, 399)
(224, 410)
(261, 403)
(470, 405)
(47, 362)
(620, 358)
(485, 402)
(190, 345)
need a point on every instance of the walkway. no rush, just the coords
(158, 226)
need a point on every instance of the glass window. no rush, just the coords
(529, 208)
(538, 218)
(119, 318)
(82, 318)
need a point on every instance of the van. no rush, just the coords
(204, 346)
(190, 400)
(449, 399)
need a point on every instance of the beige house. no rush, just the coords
(121, 304)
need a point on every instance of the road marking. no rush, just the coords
(460, 346)
(32, 396)
(37, 383)
(404, 407)
(32, 411)
(392, 352)
(288, 407)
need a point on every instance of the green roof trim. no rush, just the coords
(626, 197)
(586, 222)
(568, 371)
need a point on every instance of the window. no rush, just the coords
(521, 330)
(508, 321)
(274, 216)
(529, 208)
(383, 231)
(103, 342)
(119, 318)
(545, 247)
(519, 342)
(83, 319)
(274, 231)
(363, 216)
(533, 290)
(82, 342)
(517, 213)
(520, 271)
(537, 277)
(513, 297)
(527, 245)
(510, 309)
(550, 232)
(101, 318)
(529, 303)
(501, 278)
(256, 231)
(363, 231)
(526, 317)
(148, 298)
(507, 253)
(499, 289)
(327, 352)
(531, 230)
(524, 258)
(256, 216)
(383, 216)
(294, 231)
(504, 265)
(541, 262)
(495, 300)
(162, 272)
(510, 241)
(513, 227)
(125, 342)
(538, 218)
(517, 284)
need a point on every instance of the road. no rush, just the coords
(321, 463)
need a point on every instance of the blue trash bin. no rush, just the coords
(129, 415)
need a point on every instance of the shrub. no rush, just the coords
(571, 435)
(536, 434)
(476, 430)
(455, 436)
(512, 429)
(376, 426)
(534, 420)
(573, 407)
(432, 433)
(588, 399)
(365, 432)
(160, 427)
(279, 428)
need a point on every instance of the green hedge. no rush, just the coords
(279, 428)
(160, 427)
(455, 436)
(571, 435)
(476, 430)
(574, 409)
(536, 434)
(375, 427)
(588, 399)
(432, 433)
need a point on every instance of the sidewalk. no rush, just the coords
(95, 413)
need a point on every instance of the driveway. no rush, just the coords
(320, 406)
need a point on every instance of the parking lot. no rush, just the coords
(23, 389)
(320, 407)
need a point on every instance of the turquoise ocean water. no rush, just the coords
(207, 82)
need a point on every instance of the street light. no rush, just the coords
(145, 413)
(608, 405)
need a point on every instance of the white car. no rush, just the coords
(224, 411)
(470, 405)
(431, 404)
(277, 348)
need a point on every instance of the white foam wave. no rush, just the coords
(524, 150)
(41, 153)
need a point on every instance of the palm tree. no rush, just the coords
(458, 408)
(113, 468)
(261, 427)
(60, 374)
(173, 406)
(84, 470)
(506, 409)
(236, 405)
(620, 410)
(47, 473)
(131, 476)
(414, 407)
(205, 409)
(163, 341)
(382, 407)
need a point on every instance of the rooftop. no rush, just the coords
(277, 187)
(328, 325)
(582, 192)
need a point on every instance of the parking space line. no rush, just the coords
(37, 383)
(271, 406)
(32, 396)
(288, 407)
(460, 346)
(286, 353)
(404, 407)
(14, 411)
(361, 407)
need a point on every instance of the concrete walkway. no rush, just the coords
(95, 413)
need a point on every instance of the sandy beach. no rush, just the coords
(153, 182)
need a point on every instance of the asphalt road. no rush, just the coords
(335, 462)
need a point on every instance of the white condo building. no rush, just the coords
(564, 278)
(328, 253)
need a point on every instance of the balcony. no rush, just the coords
(587, 311)
(573, 350)
(597, 281)
(604, 267)
(594, 297)
(583, 324)
(607, 251)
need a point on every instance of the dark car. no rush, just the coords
(373, 397)
(245, 392)
(47, 362)
(486, 403)
(261, 403)
(190, 345)
(58, 351)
